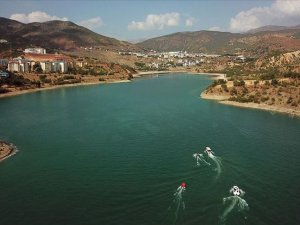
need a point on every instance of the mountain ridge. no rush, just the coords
(272, 28)
(217, 42)
(56, 34)
(67, 35)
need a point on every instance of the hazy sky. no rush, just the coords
(137, 19)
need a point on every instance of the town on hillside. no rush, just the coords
(34, 66)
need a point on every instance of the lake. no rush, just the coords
(116, 153)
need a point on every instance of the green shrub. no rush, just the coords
(217, 82)
(294, 104)
(233, 91)
(47, 81)
(290, 100)
(245, 90)
(291, 74)
(241, 99)
(264, 99)
(274, 82)
(224, 87)
(102, 72)
(17, 80)
(237, 83)
(69, 77)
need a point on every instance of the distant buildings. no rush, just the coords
(59, 66)
(241, 58)
(35, 50)
(46, 66)
(80, 63)
(19, 65)
(154, 65)
(2, 41)
(48, 62)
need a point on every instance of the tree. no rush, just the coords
(37, 67)
(237, 83)
(274, 82)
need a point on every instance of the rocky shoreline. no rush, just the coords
(268, 100)
(6, 150)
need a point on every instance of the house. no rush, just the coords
(59, 66)
(46, 66)
(241, 58)
(35, 50)
(19, 65)
(63, 66)
(154, 65)
(81, 63)
(50, 62)
(13, 66)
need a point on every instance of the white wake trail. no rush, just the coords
(236, 203)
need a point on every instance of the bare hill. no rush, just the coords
(227, 43)
(55, 35)
(272, 28)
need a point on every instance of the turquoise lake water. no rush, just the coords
(115, 154)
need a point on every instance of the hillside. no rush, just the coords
(270, 82)
(289, 61)
(56, 34)
(199, 41)
(281, 95)
(272, 28)
(214, 42)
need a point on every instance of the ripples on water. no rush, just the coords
(115, 154)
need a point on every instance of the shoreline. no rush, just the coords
(137, 75)
(145, 73)
(251, 105)
(20, 92)
(7, 150)
(219, 98)
(213, 75)
(261, 106)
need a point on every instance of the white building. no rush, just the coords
(59, 66)
(46, 66)
(35, 50)
(19, 65)
(241, 58)
(81, 64)
(154, 65)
